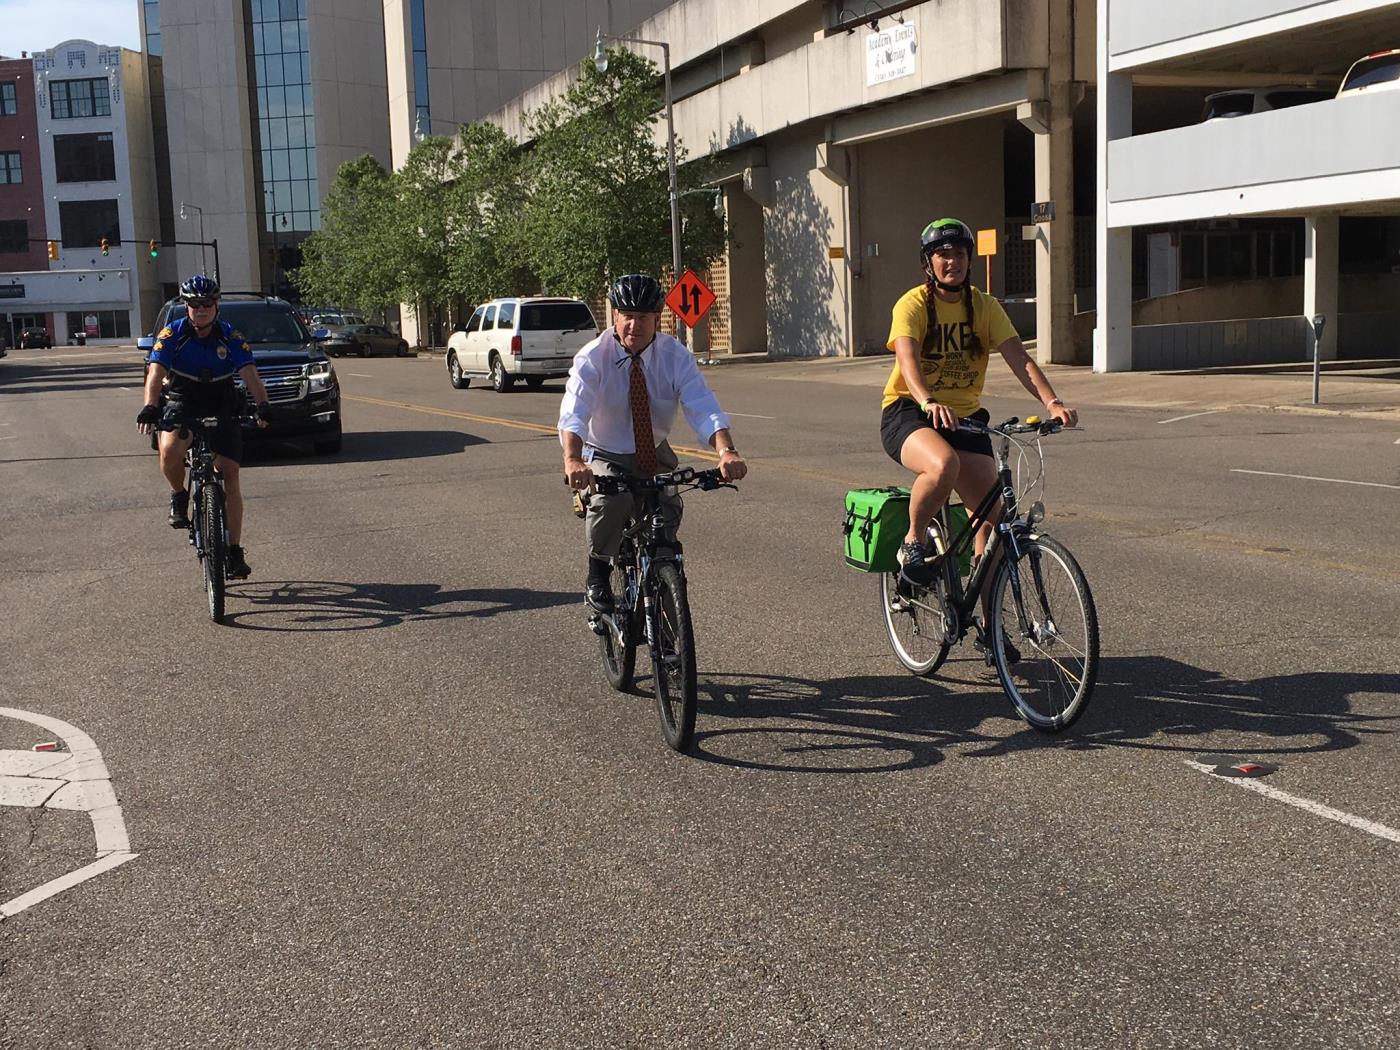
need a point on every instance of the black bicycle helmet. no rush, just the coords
(200, 286)
(944, 233)
(636, 292)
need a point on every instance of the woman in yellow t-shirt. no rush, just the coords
(940, 334)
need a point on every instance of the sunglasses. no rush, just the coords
(201, 304)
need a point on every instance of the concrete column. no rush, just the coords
(1320, 259)
(1113, 333)
(1053, 123)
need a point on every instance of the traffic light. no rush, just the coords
(53, 249)
(155, 249)
(105, 246)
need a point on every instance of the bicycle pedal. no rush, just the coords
(596, 624)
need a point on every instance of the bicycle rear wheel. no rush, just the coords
(618, 642)
(673, 658)
(914, 618)
(214, 554)
(1048, 660)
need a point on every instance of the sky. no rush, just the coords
(37, 25)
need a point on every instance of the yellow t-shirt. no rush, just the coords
(954, 376)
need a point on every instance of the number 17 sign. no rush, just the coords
(690, 298)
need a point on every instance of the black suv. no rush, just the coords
(301, 384)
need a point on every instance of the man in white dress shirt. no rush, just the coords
(632, 364)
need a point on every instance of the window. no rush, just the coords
(80, 98)
(14, 236)
(9, 100)
(555, 317)
(490, 321)
(10, 169)
(109, 324)
(85, 223)
(84, 158)
(474, 325)
(507, 317)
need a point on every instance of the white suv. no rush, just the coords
(532, 339)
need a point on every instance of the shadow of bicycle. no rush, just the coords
(887, 723)
(332, 606)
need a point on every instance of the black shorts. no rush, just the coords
(226, 439)
(904, 417)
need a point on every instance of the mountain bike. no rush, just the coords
(650, 602)
(207, 511)
(1043, 635)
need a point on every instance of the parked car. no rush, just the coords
(533, 339)
(335, 320)
(35, 339)
(302, 386)
(364, 340)
(1241, 102)
(1378, 71)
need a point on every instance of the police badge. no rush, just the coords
(221, 352)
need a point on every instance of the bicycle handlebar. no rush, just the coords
(203, 422)
(1013, 426)
(705, 480)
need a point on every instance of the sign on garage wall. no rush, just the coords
(889, 55)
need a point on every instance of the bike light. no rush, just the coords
(1037, 512)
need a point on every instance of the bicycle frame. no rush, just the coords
(642, 538)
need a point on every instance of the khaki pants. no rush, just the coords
(608, 514)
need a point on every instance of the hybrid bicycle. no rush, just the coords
(207, 509)
(650, 602)
(1042, 633)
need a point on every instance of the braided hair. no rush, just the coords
(930, 288)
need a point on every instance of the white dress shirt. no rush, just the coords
(597, 402)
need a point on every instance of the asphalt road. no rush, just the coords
(393, 802)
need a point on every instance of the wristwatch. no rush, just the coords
(728, 448)
(1053, 401)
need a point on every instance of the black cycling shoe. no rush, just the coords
(599, 597)
(235, 565)
(917, 565)
(179, 510)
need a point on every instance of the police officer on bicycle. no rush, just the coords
(192, 368)
(619, 405)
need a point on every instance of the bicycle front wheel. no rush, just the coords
(211, 511)
(673, 658)
(1046, 646)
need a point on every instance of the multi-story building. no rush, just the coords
(263, 101)
(22, 227)
(1220, 240)
(841, 129)
(95, 165)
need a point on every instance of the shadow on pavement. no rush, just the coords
(331, 606)
(374, 446)
(27, 379)
(894, 722)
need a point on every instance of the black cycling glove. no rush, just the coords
(148, 416)
(264, 411)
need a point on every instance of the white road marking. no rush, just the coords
(1307, 804)
(75, 779)
(1309, 477)
(748, 415)
(359, 375)
(1193, 415)
(12, 437)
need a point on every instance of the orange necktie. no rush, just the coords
(641, 419)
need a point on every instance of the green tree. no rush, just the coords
(347, 262)
(423, 230)
(484, 202)
(598, 201)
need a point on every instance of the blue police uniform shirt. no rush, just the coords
(210, 360)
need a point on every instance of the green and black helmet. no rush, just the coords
(944, 233)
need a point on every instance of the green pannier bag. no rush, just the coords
(875, 524)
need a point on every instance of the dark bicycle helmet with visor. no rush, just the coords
(636, 292)
(200, 286)
(941, 234)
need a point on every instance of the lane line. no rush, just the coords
(359, 375)
(749, 415)
(517, 424)
(64, 882)
(1193, 415)
(1309, 477)
(1317, 809)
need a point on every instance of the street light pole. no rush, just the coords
(203, 262)
(600, 62)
